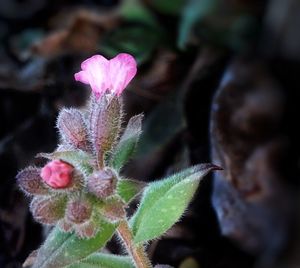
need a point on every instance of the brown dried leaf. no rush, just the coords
(81, 35)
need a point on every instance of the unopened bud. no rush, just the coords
(72, 128)
(30, 181)
(86, 230)
(78, 211)
(105, 123)
(65, 225)
(48, 210)
(113, 210)
(102, 183)
(57, 174)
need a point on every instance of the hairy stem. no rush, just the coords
(100, 160)
(137, 252)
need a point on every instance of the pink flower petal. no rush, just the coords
(82, 77)
(122, 69)
(103, 75)
(57, 174)
(95, 72)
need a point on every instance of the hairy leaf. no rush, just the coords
(61, 249)
(127, 144)
(128, 189)
(103, 260)
(165, 201)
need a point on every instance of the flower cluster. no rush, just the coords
(78, 188)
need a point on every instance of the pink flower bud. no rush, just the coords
(57, 174)
(112, 75)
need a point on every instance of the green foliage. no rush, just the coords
(26, 38)
(61, 249)
(102, 260)
(135, 11)
(137, 40)
(127, 144)
(193, 12)
(217, 22)
(128, 189)
(78, 158)
(162, 125)
(169, 7)
(165, 201)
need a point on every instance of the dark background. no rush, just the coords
(218, 82)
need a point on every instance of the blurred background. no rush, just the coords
(218, 81)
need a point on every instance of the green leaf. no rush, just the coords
(103, 260)
(61, 249)
(157, 189)
(162, 125)
(26, 38)
(165, 201)
(169, 7)
(127, 144)
(128, 189)
(78, 159)
(194, 12)
(135, 11)
(138, 40)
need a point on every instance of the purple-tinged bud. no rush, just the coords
(113, 210)
(86, 230)
(65, 225)
(72, 128)
(78, 211)
(105, 123)
(30, 181)
(102, 183)
(48, 210)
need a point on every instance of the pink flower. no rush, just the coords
(102, 74)
(57, 174)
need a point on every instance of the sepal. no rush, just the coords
(48, 210)
(30, 181)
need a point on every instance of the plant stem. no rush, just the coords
(138, 253)
(100, 160)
